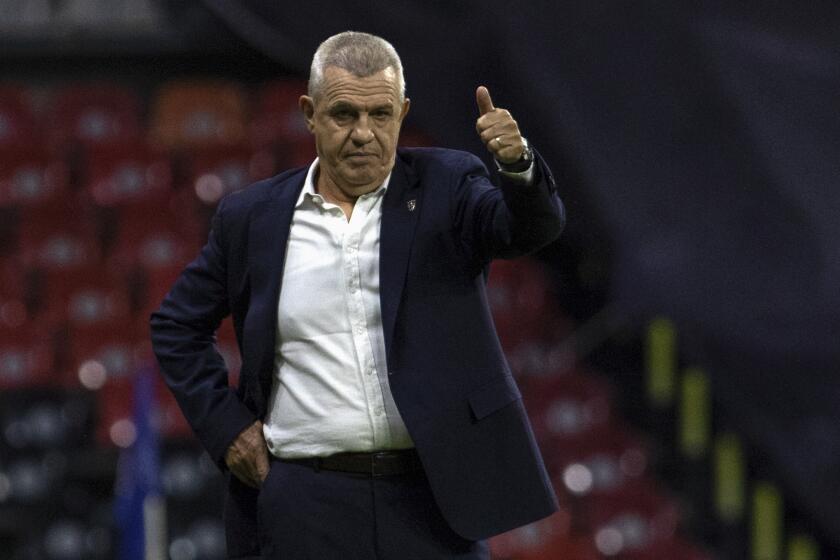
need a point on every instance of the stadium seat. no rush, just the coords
(104, 355)
(30, 481)
(95, 113)
(189, 115)
(50, 241)
(81, 296)
(520, 298)
(277, 119)
(566, 406)
(676, 548)
(203, 536)
(534, 536)
(634, 519)
(562, 548)
(127, 176)
(114, 411)
(217, 172)
(31, 178)
(17, 123)
(188, 475)
(594, 463)
(13, 311)
(102, 306)
(41, 419)
(27, 356)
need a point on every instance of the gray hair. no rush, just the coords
(361, 54)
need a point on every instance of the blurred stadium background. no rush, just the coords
(677, 349)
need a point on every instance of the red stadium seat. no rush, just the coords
(80, 295)
(158, 245)
(532, 537)
(632, 520)
(216, 173)
(59, 237)
(96, 305)
(30, 178)
(27, 356)
(567, 406)
(596, 463)
(190, 115)
(676, 548)
(114, 402)
(17, 123)
(59, 257)
(569, 548)
(277, 119)
(115, 422)
(130, 176)
(520, 297)
(95, 113)
(105, 354)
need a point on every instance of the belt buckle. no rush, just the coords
(373, 461)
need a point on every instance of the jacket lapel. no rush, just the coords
(268, 236)
(400, 209)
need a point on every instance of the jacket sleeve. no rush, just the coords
(183, 338)
(506, 221)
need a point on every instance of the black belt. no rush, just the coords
(378, 463)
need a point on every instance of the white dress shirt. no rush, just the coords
(330, 392)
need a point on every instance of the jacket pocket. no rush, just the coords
(493, 396)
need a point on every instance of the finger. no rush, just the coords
(506, 135)
(510, 154)
(488, 136)
(262, 466)
(498, 122)
(485, 103)
(245, 475)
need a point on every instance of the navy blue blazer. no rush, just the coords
(442, 223)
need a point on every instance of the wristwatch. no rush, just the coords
(522, 164)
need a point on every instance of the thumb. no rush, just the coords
(485, 104)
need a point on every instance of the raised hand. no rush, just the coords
(498, 129)
(247, 456)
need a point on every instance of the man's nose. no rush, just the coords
(362, 134)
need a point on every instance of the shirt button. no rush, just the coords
(380, 411)
(360, 329)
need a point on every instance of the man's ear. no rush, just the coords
(307, 107)
(405, 106)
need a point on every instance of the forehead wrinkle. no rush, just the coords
(358, 89)
(357, 98)
(340, 82)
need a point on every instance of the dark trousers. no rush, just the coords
(324, 515)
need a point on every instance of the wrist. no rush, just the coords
(522, 164)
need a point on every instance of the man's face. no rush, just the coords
(356, 123)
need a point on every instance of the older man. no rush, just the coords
(376, 417)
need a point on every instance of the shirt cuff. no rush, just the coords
(524, 177)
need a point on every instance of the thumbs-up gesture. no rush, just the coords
(497, 129)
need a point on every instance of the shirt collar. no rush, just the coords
(308, 191)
